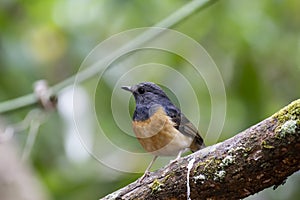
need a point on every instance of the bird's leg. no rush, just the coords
(177, 157)
(147, 171)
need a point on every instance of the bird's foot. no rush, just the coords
(146, 174)
(177, 158)
(173, 161)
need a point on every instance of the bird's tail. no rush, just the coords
(197, 144)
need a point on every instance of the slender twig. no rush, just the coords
(10, 130)
(169, 22)
(32, 133)
(17, 103)
(33, 123)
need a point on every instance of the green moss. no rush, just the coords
(244, 150)
(198, 165)
(214, 168)
(240, 148)
(166, 178)
(289, 120)
(156, 186)
(289, 127)
(290, 112)
(266, 146)
(248, 149)
(210, 166)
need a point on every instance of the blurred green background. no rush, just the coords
(255, 44)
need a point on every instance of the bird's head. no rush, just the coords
(147, 93)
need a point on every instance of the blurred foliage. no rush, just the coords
(255, 44)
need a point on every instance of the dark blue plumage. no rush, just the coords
(147, 95)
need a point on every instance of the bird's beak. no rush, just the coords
(128, 88)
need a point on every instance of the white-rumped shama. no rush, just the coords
(159, 125)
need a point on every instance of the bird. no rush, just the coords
(160, 127)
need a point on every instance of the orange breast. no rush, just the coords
(158, 135)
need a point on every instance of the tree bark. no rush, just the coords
(262, 156)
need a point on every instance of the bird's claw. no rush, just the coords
(146, 174)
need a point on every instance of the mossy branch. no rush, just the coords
(260, 157)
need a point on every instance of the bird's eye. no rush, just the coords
(141, 90)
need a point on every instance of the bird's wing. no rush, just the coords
(185, 127)
(181, 122)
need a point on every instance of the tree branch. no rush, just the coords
(262, 156)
